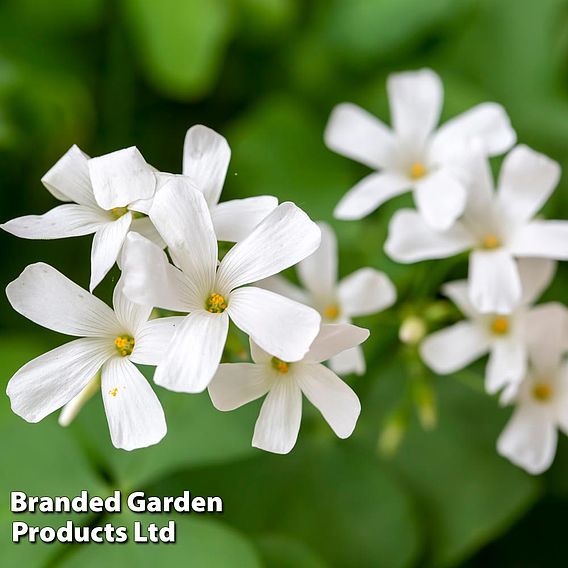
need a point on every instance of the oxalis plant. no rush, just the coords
(177, 295)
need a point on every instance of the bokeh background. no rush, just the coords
(402, 492)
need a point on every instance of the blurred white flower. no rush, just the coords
(498, 226)
(364, 292)
(103, 202)
(413, 155)
(505, 337)
(278, 424)
(530, 437)
(213, 292)
(111, 341)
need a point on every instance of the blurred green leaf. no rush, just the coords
(180, 42)
(284, 552)
(266, 20)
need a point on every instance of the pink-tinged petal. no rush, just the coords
(536, 275)
(333, 339)
(134, 413)
(348, 361)
(526, 181)
(368, 194)
(206, 157)
(280, 326)
(494, 281)
(48, 382)
(234, 220)
(411, 239)
(154, 339)
(366, 291)
(357, 134)
(194, 353)
(281, 240)
(121, 177)
(63, 221)
(453, 348)
(507, 364)
(107, 244)
(278, 424)
(335, 400)
(48, 298)
(544, 239)
(236, 384)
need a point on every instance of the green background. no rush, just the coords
(266, 74)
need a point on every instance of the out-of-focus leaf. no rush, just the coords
(266, 20)
(284, 552)
(180, 42)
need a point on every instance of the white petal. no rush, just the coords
(129, 314)
(536, 275)
(333, 339)
(507, 364)
(529, 439)
(46, 297)
(134, 413)
(335, 400)
(48, 382)
(526, 181)
(153, 340)
(357, 134)
(182, 217)
(63, 221)
(194, 353)
(318, 272)
(150, 279)
(411, 239)
(121, 177)
(280, 285)
(71, 409)
(494, 282)
(476, 172)
(453, 348)
(258, 354)
(487, 125)
(368, 194)
(366, 291)
(280, 326)
(206, 157)
(281, 240)
(349, 361)
(234, 220)
(106, 247)
(440, 197)
(145, 227)
(546, 239)
(458, 293)
(68, 179)
(236, 384)
(415, 99)
(278, 424)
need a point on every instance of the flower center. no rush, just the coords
(118, 212)
(500, 325)
(417, 170)
(281, 366)
(542, 392)
(331, 312)
(124, 345)
(491, 242)
(216, 304)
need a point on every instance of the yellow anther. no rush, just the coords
(417, 170)
(279, 365)
(118, 212)
(491, 242)
(113, 391)
(331, 312)
(500, 325)
(216, 304)
(124, 345)
(542, 392)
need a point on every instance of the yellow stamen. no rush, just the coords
(279, 365)
(500, 325)
(542, 392)
(216, 304)
(124, 345)
(331, 312)
(491, 242)
(113, 391)
(118, 212)
(417, 170)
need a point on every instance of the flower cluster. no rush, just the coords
(512, 253)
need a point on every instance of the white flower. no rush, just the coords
(211, 292)
(413, 155)
(278, 424)
(529, 439)
(498, 226)
(103, 203)
(111, 341)
(503, 336)
(364, 292)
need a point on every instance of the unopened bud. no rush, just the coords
(72, 408)
(412, 330)
(392, 434)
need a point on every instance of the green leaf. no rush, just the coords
(180, 42)
(279, 551)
